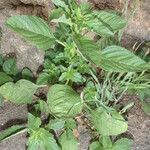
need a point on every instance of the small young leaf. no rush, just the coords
(56, 13)
(70, 123)
(12, 131)
(62, 19)
(68, 141)
(106, 142)
(10, 66)
(123, 144)
(27, 74)
(4, 78)
(56, 124)
(60, 3)
(43, 79)
(20, 92)
(33, 122)
(43, 140)
(42, 106)
(96, 146)
(108, 124)
(63, 101)
(33, 29)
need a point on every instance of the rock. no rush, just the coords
(37, 2)
(106, 4)
(27, 55)
(12, 114)
(139, 26)
(8, 3)
(47, 5)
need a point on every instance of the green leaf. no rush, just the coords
(20, 92)
(27, 74)
(12, 131)
(85, 7)
(89, 49)
(56, 13)
(70, 124)
(118, 59)
(68, 141)
(63, 19)
(33, 122)
(96, 146)
(43, 140)
(108, 124)
(146, 107)
(43, 79)
(123, 144)
(10, 66)
(63, 101)
(105, 23)
(4, 78)
(106, 142)
(60, 3)
(115, 21)
(56, 124)
(42, 106)
(33, 29)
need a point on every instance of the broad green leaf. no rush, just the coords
(68, 141)
(56, 124)
(146, 107)
(115, 21)
(96, 146)
(112, 58)
(63, 101)
(12, 131)
(123, 144)
(10, 66)
(33, 29)
(118, 59)
(20, 92)
(105, 23)
(43, 140)
(89, 49)
(34, 123)
(4, 78)
(108, 124)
